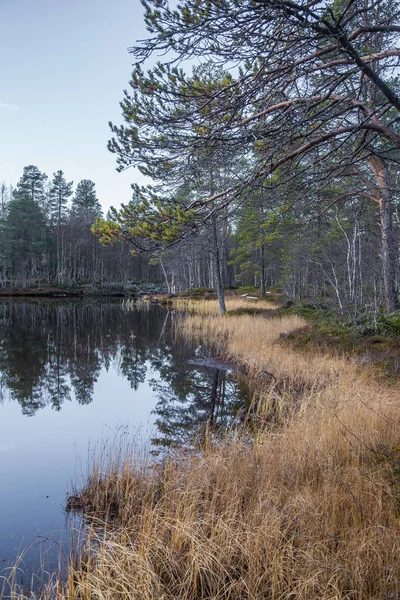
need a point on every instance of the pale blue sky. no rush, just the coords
(63, 67)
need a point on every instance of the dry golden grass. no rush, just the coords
(308, 513)
(233, 303)
(253, 342)
(306, 508)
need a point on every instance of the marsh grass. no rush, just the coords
(307, 507)
(233, 305)
(310, 512)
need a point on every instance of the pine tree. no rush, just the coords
(32, 186)
(26, 235)
(60, 192)
(317, 77)
(85, 202)
(4, 198)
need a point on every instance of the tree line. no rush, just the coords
(275, 159)
(45, 236)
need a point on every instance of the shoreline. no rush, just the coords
(301, 500)
(60, 292)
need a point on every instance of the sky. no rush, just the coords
(63, 67)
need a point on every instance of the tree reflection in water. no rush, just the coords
(203, 399)
(52, 352)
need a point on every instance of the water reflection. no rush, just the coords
(193, 401)
(51, 352)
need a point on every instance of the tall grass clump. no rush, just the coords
(309, 512)
(233, 304)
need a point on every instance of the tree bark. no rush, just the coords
(382, 179)
(216, 253)
(217, 266)
(24, 274)
(225, 252)
(58, 242)
(262, 271)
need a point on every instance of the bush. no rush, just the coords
(378, 324)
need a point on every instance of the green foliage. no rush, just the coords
(247, 289)
(365, 324)
(165, 135)
(31, 185)
(141, 220)
(60, 192)
(311, 311)
(85, 202)
(370, 324)
(25, 233)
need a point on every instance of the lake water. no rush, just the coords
(71, 374)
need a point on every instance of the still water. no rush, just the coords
(71, 374)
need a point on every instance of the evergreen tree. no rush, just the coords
(32, 186)
(85, 202)
(3, 212)
(26, 235)
(333, 86)
(185, 175)
(60, 192)
(4, 197)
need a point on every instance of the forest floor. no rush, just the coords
(301, 501)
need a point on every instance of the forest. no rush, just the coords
(334, 258)
(270, 136)
(45, 237)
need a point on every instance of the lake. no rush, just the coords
(72, 374)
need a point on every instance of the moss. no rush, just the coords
(380, 351)
(248, 289)
(197, 293)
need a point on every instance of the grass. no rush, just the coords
(233, 305)
(306, 507)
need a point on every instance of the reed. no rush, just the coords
(233, 304)
(309, 512)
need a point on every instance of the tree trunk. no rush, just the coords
(382, 179)
(165, 276)
(262, 271)
(216, 253)
(225, 252)
(217, 266)
(24, 276)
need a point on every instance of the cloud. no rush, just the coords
(9, 106)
